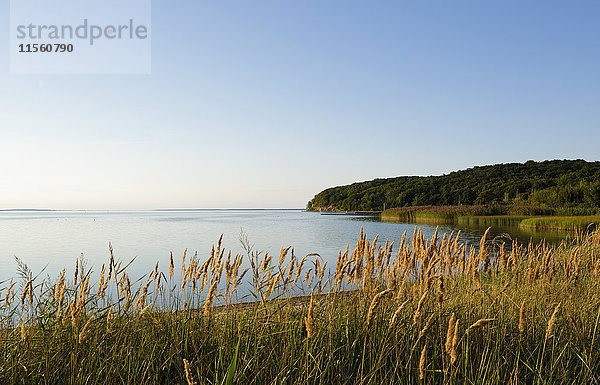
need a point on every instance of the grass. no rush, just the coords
(491, 220)
(426, 311)
(453, 213)
(495, 215)
(561, 222)
(439, 213)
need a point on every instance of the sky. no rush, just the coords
(262, 104)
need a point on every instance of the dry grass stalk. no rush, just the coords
(144, 310)
(141, 302)
(23, 330)
(423, 362)
(309, 319)
(111, 262)
(76, 272)
(482, 322)
(28, 288)
(522, 320)
(65, 314)
(454, 349)
(85, 331)
(484, 254)
(397, 314)
(282, 254)
(108, 319)
(450, 333)
(58, 287)
(426, 327)
(417, 314)
(440, 291)
(8, 293)
(209, 298)
(188, 372)
(101, 282)
(376, 300)
(551, 322)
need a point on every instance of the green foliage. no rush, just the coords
(556, 184)
(562, 223)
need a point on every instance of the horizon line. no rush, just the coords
(159, 209)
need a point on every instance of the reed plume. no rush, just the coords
(309, 319)
(417, 314)
(522, 320)
(85, 331)
(374, 303)
(482, 322)
(426, 327)
(8, 294)
(23, 330)
(108, 319)
(188, 372)
(397, 314)
(440, 291)
(455, 340)
(450, 333)
(76, 272)
(209, 298)
(58, 286)
(422, 363)
(551, 322)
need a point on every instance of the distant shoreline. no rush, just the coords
(149, 210)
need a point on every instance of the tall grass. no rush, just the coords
(561, 223)
(424, 311)
(456, 213)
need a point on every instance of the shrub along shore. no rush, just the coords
(423, 311)
(490, 215)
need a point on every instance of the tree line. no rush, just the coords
(555, 183)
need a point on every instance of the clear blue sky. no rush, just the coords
(265, 103)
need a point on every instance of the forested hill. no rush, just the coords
(556, 183)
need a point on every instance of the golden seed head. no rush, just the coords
(522, 318)
(188, 373)
(551, 322)
(309, 320)
(423, 362)
(397, 314)
(209, 298)
(376, 300)
(455, 340)
(479, 324)
(450, 333)
(85, 331)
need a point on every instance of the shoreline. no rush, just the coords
(491, 215)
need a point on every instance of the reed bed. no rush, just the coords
(562, 223)
(456, 213)
(423, 311)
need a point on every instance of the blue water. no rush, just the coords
(52, 240)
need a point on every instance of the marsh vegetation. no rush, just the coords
(422, 311)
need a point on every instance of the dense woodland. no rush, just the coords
(571, 184)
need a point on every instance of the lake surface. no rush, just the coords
(54, 239)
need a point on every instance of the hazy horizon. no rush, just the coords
(174, 208)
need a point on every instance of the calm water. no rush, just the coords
(54, 239)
